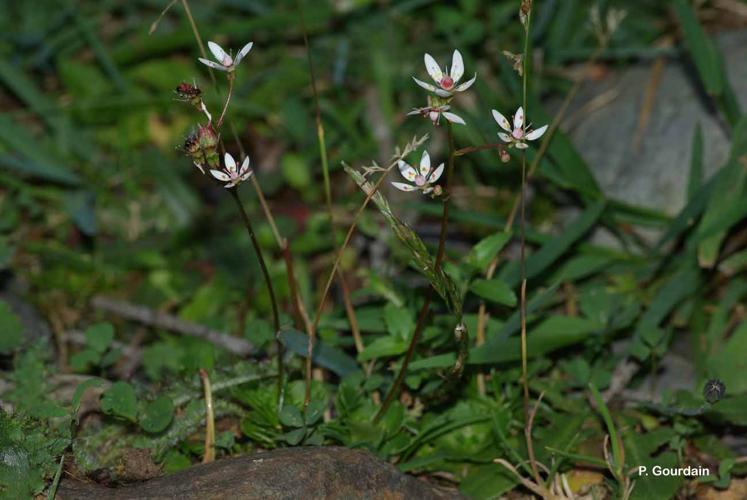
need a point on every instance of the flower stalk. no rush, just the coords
(270, 291)
(423, 314)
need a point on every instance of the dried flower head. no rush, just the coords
(525, 10)
(605, 28)
(422, 179)
(519, 133)
(446, 81)
(225, 61)
(517, 61)
(231, 174)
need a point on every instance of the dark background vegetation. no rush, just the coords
(96, 198)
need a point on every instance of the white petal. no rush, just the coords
(536, 134)
(220, 175)
(403, 187)
(453, 118)
(230, 164)
(466, 85)
(457, 66)
(219, 53)
(425, 164)
(407, 171)
(242, 53)
(414, 112)
(521, 145)
(212, 64)
(432, 67)
(247, 174)
(436, 174)
(519, 118)
(443, 93)
(427, 190)
(502, 121)
(232, 183)
(199, 167)
(426, 86)
(244, 166)
(505, 137)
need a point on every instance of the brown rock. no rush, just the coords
(308, 472)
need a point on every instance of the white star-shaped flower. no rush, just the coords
(446, 81)
(225, 61)
(230, 174)
(519, 133)
(422, 179)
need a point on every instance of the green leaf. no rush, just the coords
(32, 159)
(720, 212)
(487, 249)
(323, 355)
(702, 49)
(295, 436)
(695, 179)
(290, 416)
(11, 329)
(120, 401)
(399, 321)
(296, 171)
(81, 389)
(383, 347)
(555, 247)
(157, 415)
(99, 336)
(494, 290)
(83, 360)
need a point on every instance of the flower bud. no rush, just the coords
(208, 141)
(505, 157)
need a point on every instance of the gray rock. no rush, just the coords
(653, 172)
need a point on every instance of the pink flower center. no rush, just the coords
(227, 61)
(419, 180)
(517, 133)
(447, 83)
(434, 116)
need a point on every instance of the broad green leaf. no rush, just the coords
(99, 336)
(120, 401)
(383, 347)
(399, 321)
(290, 416)
(11, 329)
(486, 250)
(157, 415)
(494, 290)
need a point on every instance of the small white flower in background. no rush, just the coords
(422, 179)
(518, 134)
(435, 110)
(446, 80)
(225, 61)
(232, 175)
